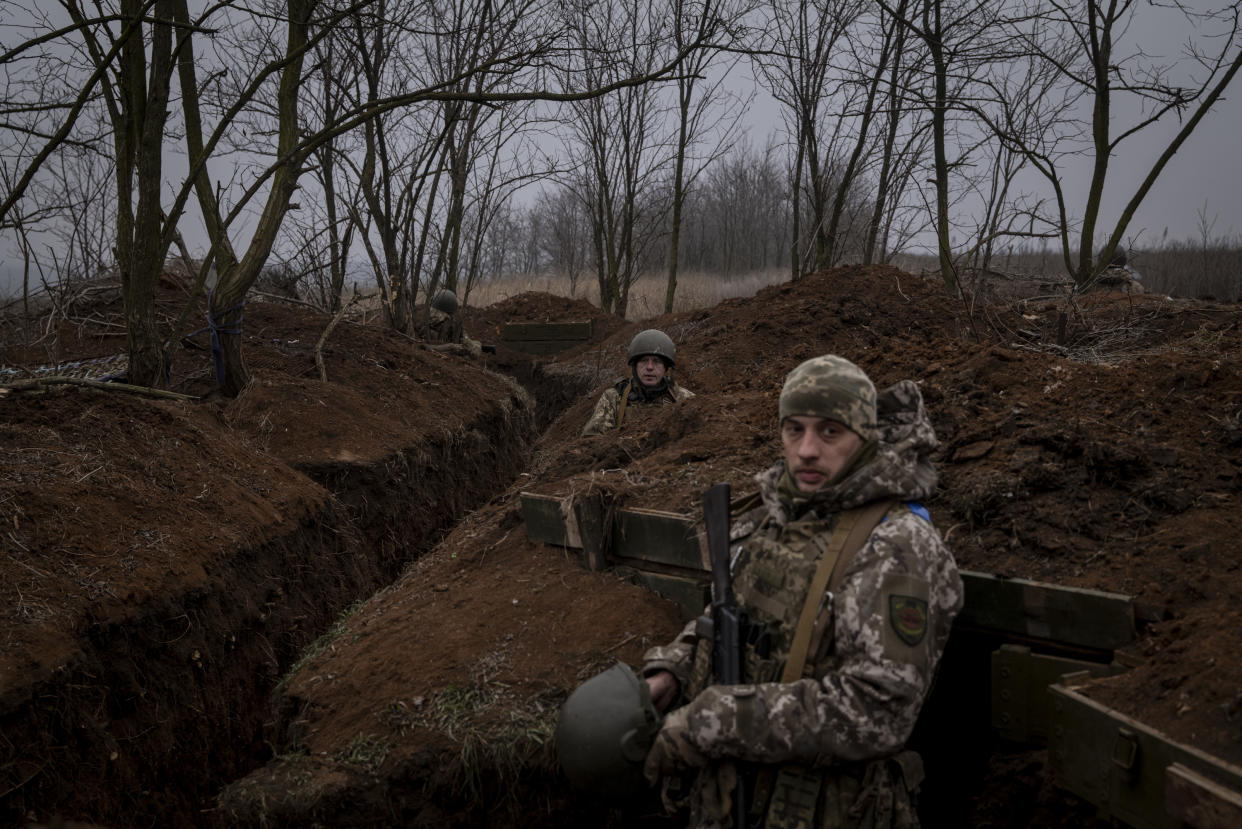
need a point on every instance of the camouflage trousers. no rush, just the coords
(880, 794)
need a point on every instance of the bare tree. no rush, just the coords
(902, 147)
(565, 232)
(702, 107)
(401, 155)
(739, 214)
(1025, 96)
(959, 38)
(618, 149)
(796, 64)
(1127, 90)
(333, 60)
(253, 90)
(136, 90)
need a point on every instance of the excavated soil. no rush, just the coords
(1093, 442)
(165, 561)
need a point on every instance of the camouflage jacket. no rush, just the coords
(441, 328)
(868, 680)
(604, 417)
(445, 334)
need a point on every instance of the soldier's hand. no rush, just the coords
(663, 687)
(673, 750)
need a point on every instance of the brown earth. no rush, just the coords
(1109, 461)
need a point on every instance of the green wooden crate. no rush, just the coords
(657, 537)
(1069, 615)
(1199, 802)
(690, 595)
(550, 520)
(545, 337)
(1121, 765)
(1020, 682)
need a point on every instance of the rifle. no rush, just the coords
(727, 624)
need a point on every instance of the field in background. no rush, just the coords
(694, 290)
(1181, 269)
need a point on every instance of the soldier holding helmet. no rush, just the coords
(848, 593)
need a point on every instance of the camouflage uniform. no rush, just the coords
(441, 328)
(609, 404)
(835, 738)
(446, 330)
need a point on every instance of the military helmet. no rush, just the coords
(605, 730)
(1119, 258)
(654, 342)
(445, 300)
(832, 387)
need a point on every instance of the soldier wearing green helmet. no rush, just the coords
(652, 357)
(443, 330)
(849, 593)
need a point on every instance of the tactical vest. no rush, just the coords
(773, 571)
(625, 390)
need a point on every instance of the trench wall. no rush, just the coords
(162, 709)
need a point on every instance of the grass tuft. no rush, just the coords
(320, 645)
(366, 751)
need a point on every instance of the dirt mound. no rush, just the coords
(1097, 474)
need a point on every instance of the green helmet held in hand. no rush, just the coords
(605, 730)
(652, 341)
(446, 301)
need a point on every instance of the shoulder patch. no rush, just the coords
(908, 617)
(905, 604)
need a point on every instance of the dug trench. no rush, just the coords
(167, 563)
(432, 701)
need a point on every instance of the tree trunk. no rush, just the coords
(943, 242)
(233, 284)
(143, 256)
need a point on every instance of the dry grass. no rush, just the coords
(694, 290)
(1196, 270)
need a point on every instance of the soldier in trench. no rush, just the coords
(817, 734)
(652, 357)
(443, 330)
(1120, 274)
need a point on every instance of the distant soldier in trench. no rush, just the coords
(652, 357)
(1119, 274)
(443, 331)
(849, 594)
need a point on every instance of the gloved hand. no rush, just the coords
(673, 751)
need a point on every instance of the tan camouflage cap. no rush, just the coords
(832, 387)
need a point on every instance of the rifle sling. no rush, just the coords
(625, 398)
(851, 532)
